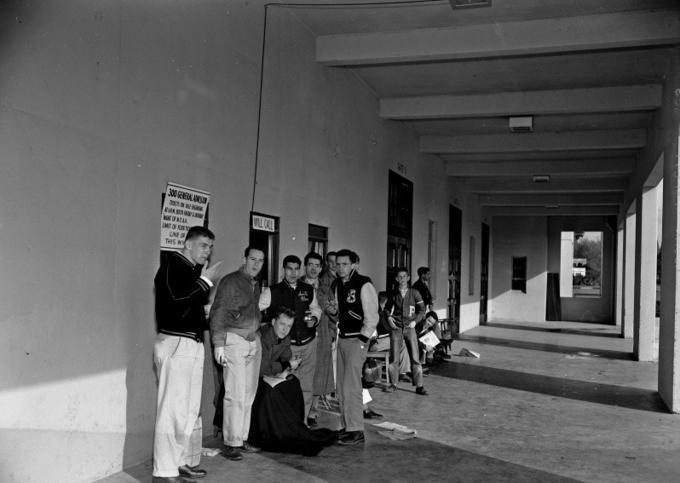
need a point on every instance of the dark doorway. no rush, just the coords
(484, 282)
(455, 234)
(264, 234)
(317, 240)
(399, 226)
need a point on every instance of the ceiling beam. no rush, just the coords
(547, 199)
(577, 167)
(561, 101)
(533, 37)
(541, 156)
(526, 185)
(565, 141)
(559, 211)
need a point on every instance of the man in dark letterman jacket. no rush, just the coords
(182, 285)
(300, 297)
(357, 320)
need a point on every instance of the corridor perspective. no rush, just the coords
(554, 402)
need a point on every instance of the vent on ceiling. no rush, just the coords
(469, 3)
(521, 124)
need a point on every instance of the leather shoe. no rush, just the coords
(311, 422)
(390, 388)
(232, 453)
(421, 390)
(352, 437)
(192, 471)
(170, 479)
(250, 448)
(370, 414)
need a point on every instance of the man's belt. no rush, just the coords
(349, 336)
(188, 335)
(303, 341)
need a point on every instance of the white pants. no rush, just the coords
(179, 432)
(241, 375)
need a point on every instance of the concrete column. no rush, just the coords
(618, 303)
(567, 264)
(645, 274)
(629, 278)
(669, 330)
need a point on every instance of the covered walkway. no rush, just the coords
(554, 401)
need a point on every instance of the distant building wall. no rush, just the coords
(585, 309)
(519, 237)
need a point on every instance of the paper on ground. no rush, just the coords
(396, 431)
(468, 353)
(397, 435)
(210, 451)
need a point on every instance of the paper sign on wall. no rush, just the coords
(183, 207)
(263, 223)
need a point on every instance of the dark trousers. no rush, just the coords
(399, 338)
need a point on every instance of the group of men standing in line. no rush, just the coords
(337, 300)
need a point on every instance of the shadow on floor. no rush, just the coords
(383, 460)
(595, 331)
(540, 346)
(628, 397)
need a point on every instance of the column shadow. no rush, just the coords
(610, 394)
(540, 346)
(594, 332)
(385, 460)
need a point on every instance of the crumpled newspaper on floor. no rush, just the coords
(210, 451)
(396, 431)
(468, 353)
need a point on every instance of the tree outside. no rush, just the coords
(588, 249)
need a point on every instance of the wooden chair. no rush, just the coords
(384, 358)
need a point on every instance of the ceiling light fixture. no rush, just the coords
(541, 178)
(521, 123)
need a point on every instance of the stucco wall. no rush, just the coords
(101, 104)
(518, 237)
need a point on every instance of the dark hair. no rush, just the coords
(246, 252)
(402, 269)
(313, 255)
(432, 314)
(291, 259)
(283, 310)
(382, 295)
(353, 257)
(330, 254)
(422, 270)
(196, 231)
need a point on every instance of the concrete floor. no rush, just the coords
(548, 402)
